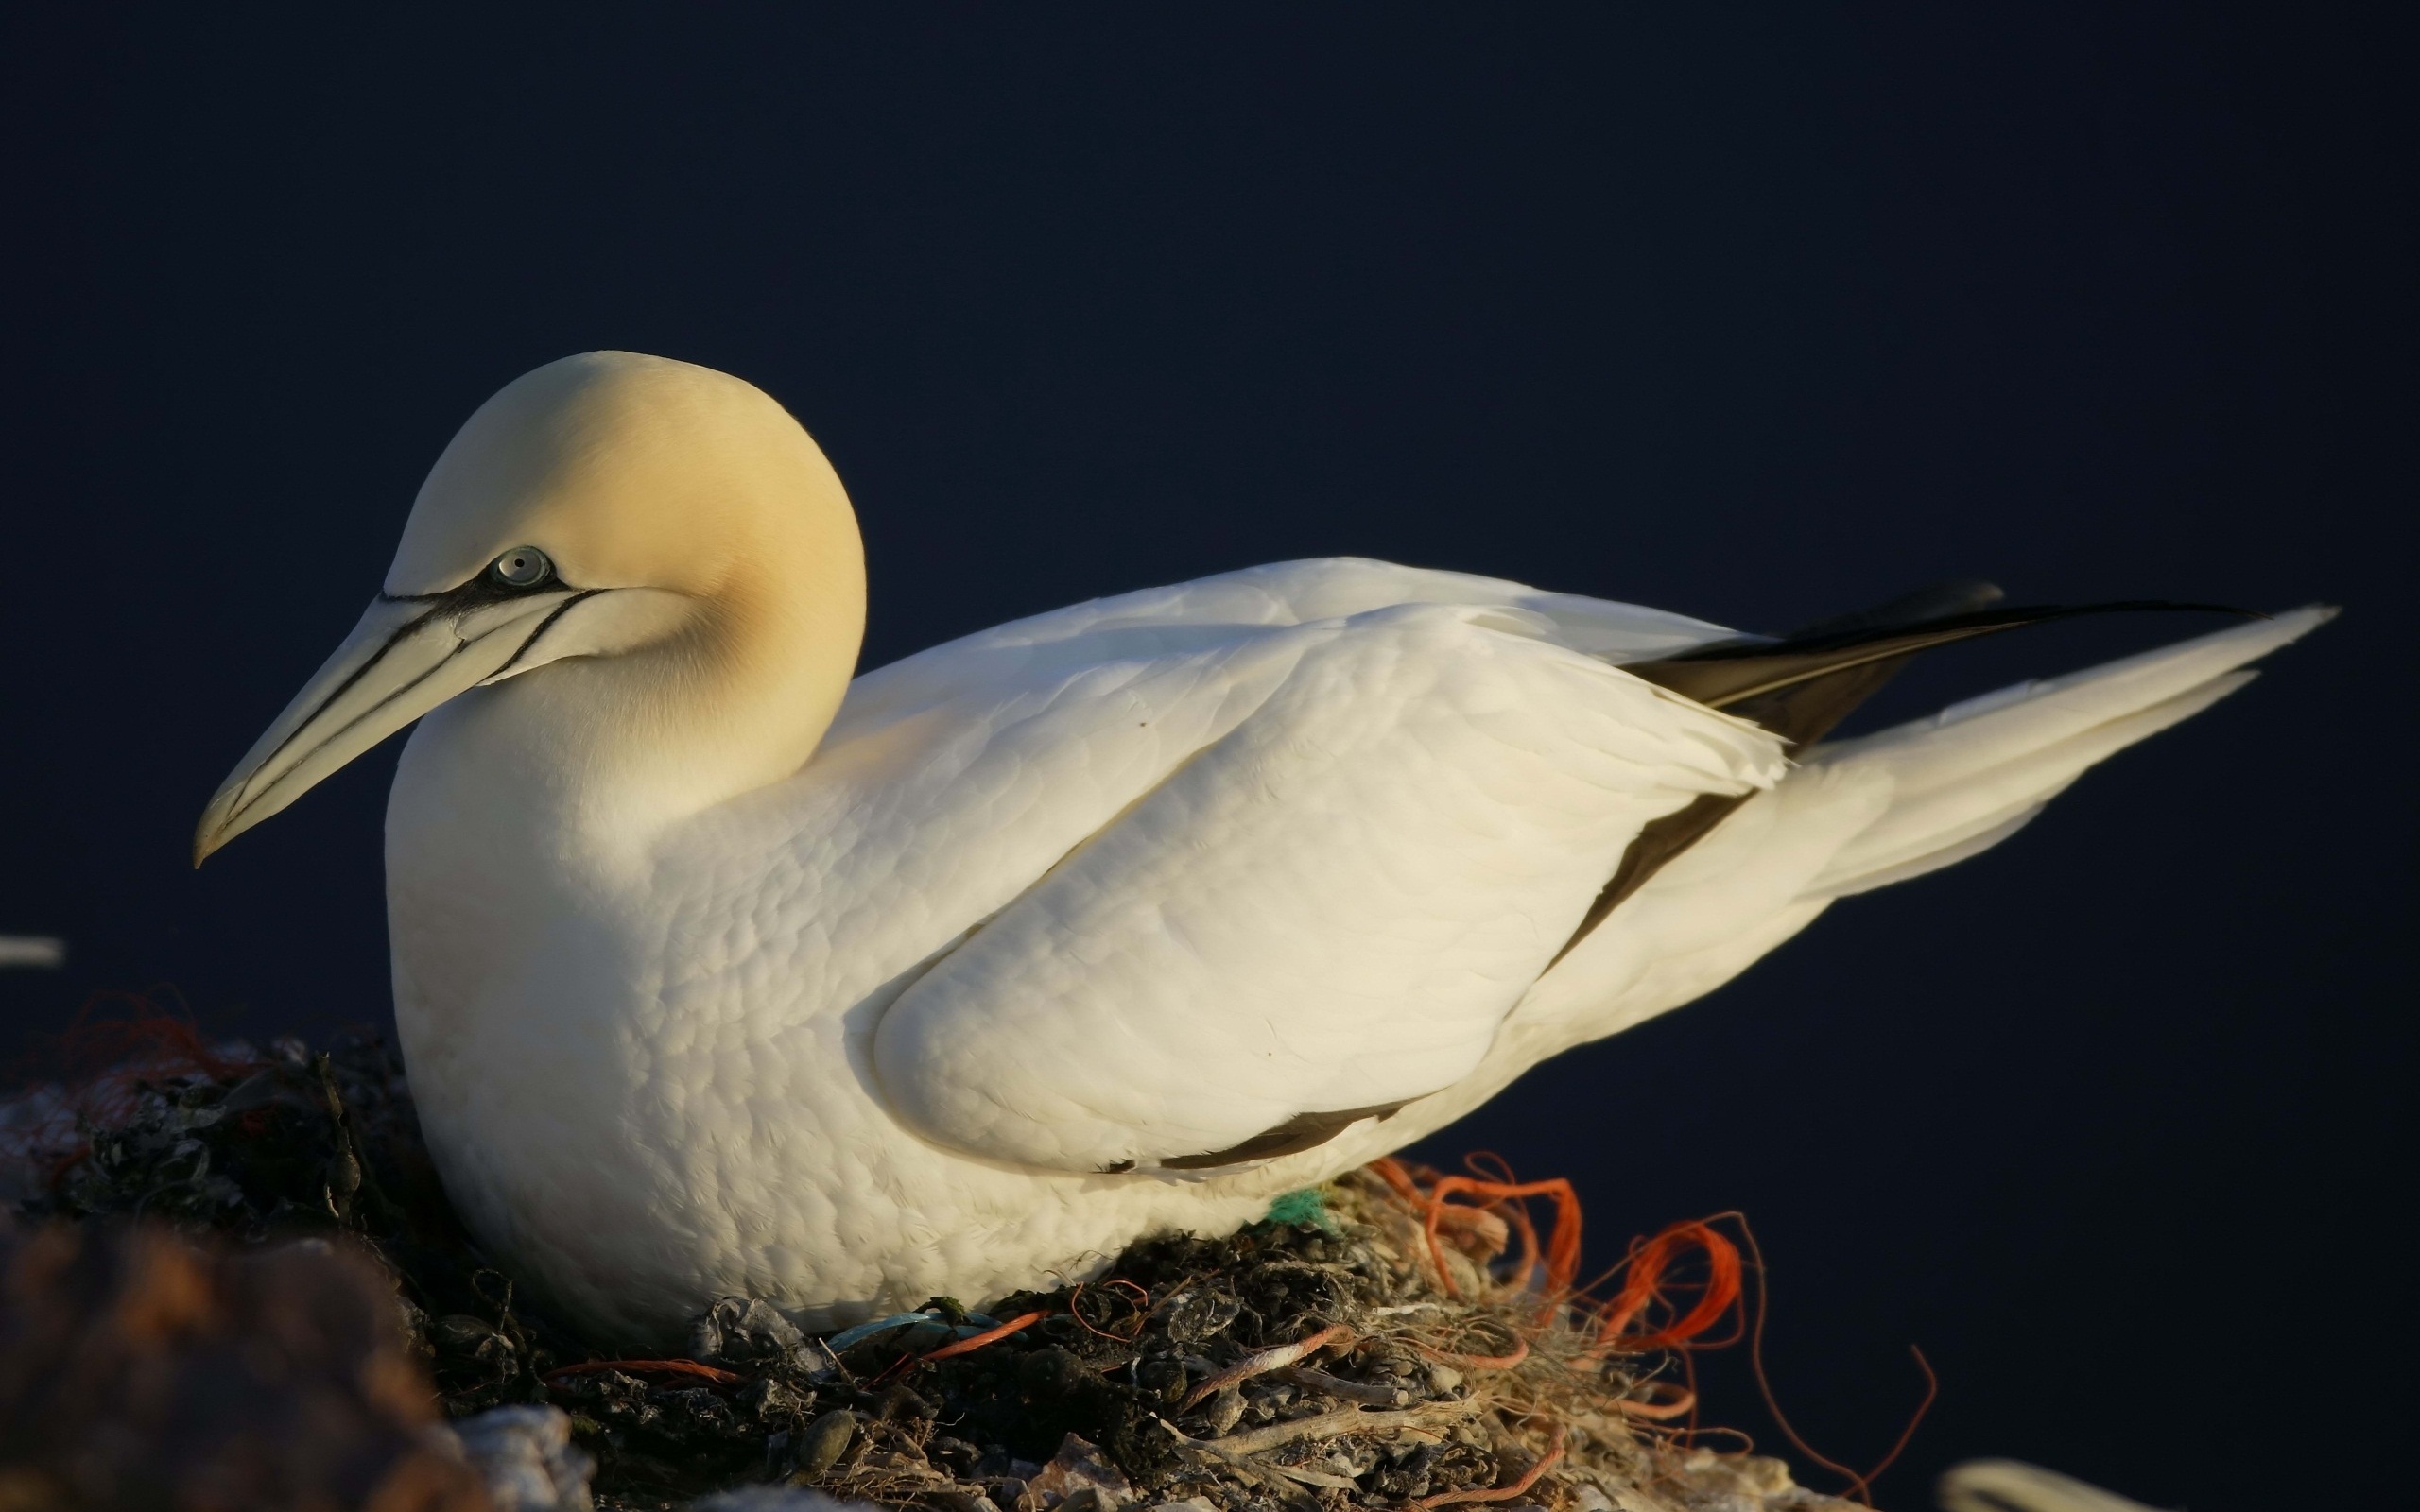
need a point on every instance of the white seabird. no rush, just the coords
(716, 971)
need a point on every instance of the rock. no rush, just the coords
(1223, 1411)
(825, 1441)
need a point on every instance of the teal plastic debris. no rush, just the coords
(1306, 1205)
(975, 1323)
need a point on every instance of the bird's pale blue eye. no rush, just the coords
(522, 567)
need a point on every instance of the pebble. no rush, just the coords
(825, 1440)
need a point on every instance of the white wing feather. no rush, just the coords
(1331, 895)
(1145, 877)
(1210, 612)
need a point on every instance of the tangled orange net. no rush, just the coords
(1651, 1287)
(1647, 1272)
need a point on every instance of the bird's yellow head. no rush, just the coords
(608, 505)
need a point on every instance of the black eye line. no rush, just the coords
(543, 626)
(477, 591)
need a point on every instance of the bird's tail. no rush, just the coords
(1800, 685)
(1722, 886)
(1968, 778)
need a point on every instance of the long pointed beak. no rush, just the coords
(404, 658)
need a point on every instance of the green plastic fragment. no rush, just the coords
(1306, 1205)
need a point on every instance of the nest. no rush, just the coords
(1369, 1345)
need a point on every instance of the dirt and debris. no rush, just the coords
(1372, 1345)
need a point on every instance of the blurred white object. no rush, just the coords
(773, 1498)
(33, 949)
(525, 1456)
(2013, 1486)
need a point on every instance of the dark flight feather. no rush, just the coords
(1300, 1132)
(1802, 685)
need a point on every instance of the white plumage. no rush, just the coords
(701, 996)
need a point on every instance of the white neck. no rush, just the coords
(523, 807)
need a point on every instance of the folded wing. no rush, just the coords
(1326, 910)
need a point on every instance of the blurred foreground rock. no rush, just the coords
(139, 1371)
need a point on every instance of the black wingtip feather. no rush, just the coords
(1869, 627)
(1808, 681)
(1965, 595)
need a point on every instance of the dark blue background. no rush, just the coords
(1759, 315)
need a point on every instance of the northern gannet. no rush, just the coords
(718, 971)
